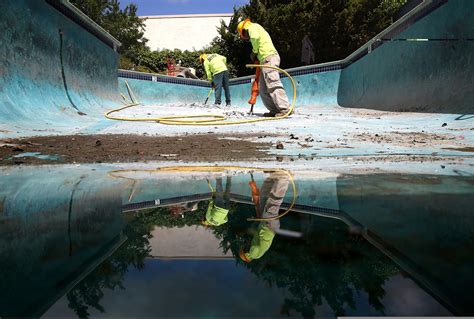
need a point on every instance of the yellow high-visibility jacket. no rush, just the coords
(213, 64)
(261, 242)
(215, 215)
(262, 44)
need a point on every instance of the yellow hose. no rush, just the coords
(208, 119)
(218, 169)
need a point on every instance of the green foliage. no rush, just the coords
(325, 264)
(229, 45)
(156, 61)
(123, 24)
(335, 27)
(110, 274)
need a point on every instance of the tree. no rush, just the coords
(327, 263)
(123, 24)
(111, 273)
(335, 27)
(229, 45)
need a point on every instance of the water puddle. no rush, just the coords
(38, 155)
(233, 241)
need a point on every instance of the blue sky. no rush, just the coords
(159, 7)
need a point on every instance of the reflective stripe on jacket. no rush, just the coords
(214, 64)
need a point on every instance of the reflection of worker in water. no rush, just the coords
(272, 193)
(217, 73)
(219, 204)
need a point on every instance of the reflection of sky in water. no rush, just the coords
(404, 298)
(185, 288)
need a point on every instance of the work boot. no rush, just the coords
(269, 114)
(283, 113)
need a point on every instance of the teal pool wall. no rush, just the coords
(59, 75)
(52, 68)
(426, 220)
(422, 76)
(89, 184)
(316, 88)
(55, 229)
(311, 89)
(149, 92)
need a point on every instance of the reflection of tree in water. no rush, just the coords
(110, 274)
(327, 262)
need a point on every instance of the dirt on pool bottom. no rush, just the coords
(131, 148)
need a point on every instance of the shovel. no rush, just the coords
(208, 95)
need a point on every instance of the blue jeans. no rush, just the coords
(222, 80)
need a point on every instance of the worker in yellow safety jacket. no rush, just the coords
(218, 74)
(219, 204)
(272, 193)
(271, 89)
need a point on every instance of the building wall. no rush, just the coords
(184, 32)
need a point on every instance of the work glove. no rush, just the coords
(253, 57)
(213, 85)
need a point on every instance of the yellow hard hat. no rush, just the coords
(243, 257)
(242, 25)
(202, 57)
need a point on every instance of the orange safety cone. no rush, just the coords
(255, 90)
